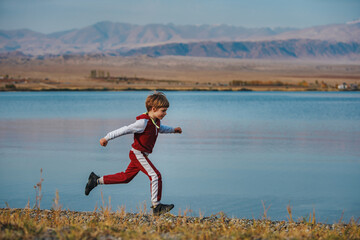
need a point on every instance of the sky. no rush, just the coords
(48, 16)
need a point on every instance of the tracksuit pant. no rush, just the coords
(139, 162)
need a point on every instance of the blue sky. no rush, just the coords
(49, 16)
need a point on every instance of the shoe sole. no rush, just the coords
(87, 192)
(164, 211)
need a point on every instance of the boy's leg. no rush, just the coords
(122, 177)
(154, 175)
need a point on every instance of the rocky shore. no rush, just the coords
(106, 224)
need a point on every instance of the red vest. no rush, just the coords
(145, 141)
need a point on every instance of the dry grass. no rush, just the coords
(105, 224)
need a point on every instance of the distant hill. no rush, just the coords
(349, 32)
(279, 49)
(157, 40)
(111, 34)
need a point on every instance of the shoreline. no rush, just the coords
(105, 89)
(106, 224)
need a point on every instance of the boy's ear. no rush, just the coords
(154, 109)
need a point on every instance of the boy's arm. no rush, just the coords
(136, 127)
(167, 129)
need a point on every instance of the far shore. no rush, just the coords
(162, 89)
(175, 74)
(283, 87)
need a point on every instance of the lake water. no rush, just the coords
(237, 150)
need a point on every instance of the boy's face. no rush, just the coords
(159, 113)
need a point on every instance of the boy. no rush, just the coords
(145, 130)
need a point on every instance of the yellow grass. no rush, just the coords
(105, 224)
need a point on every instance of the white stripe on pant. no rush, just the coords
(154, 175)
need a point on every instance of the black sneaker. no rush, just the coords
(162, 208)
(92, 183)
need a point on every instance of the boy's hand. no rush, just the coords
(178, 130)
(103, 142)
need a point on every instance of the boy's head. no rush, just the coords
(156, 100)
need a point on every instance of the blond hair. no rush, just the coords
(156, 100)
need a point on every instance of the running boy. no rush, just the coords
(145, 130)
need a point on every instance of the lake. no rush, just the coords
(237, 151)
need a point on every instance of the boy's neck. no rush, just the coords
(151, 114)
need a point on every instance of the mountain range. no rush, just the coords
(108, 38)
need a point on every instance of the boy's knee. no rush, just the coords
(158, 176)
(155, 177)
(128, 179)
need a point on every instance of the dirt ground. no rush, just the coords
(174, 73)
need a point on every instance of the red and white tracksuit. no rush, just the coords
(145, 132)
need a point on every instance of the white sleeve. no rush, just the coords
(136, 127)
(166, 129)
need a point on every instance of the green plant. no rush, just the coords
(10, 86)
